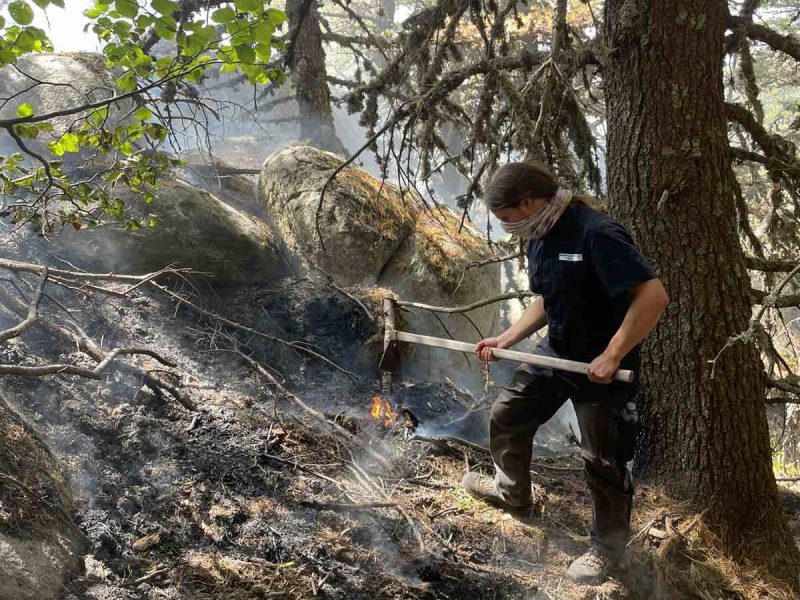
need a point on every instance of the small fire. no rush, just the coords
(382, 411)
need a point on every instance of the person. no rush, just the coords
(599, 298)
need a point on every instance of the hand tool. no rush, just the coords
(390, 361)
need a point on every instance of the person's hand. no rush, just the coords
(484, 347)
(602, 368)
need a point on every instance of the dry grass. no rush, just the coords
(691, 565)
(212, 575)
(444, 250)
(379, 205)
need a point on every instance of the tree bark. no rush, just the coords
(386, 16)
(306, 59)
(670, 182)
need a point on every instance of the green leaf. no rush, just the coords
(97, 116)
(144, 21)
(7, 56)
(163, 30)
(24, 110)
(21, 12)
(165, 7)
(143, 113)
(56, 148)
(70, 142)
(25, 41)
(245, 54)
(127, 82)
(263, 31)
(263, 52)
(41, 3)
(223, 15)
(248, 5)
(122, 28)
(275, 16)
(98, 9)
(127, 8)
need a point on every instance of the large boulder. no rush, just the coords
(376, 234)
(51, 82)
(195, 229)
(430, 267)
(40, 546)
(362, 222)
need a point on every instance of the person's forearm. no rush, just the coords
(532, 320)
(643, 314)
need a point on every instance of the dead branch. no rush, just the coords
(788, 384)
(337, 430)
(295, 345)
(381, 45)
(368, 484)
(496, 259)
(332, 283)
(347, 506)
(296, 465)
(771, 300)
(468, 307)
(14, 265)
(770, 265)
(56, 368)
(33, 312)
(220, 170)
(788, 44)
(783, 400)
(81, 340)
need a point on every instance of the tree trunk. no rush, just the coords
(386, 16)
(669, 175)
(306, 59)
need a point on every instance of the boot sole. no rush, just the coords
(496, 503)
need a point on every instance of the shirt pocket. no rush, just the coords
(567, 275)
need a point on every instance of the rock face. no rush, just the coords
(79, 78)
(195, 229)
(39, 545)
(376, 234)
(362, 224)
(429, 267)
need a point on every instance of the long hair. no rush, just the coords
(515, 181)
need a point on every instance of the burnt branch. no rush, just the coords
(32, 315)
(82, 341)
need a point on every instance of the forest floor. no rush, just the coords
(251, 497)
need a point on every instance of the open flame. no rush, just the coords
(382, 411)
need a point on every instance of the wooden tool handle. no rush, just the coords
(538, 360)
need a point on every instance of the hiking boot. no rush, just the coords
(484, 488)
(592, 567)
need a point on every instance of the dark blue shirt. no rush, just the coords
(583, 268)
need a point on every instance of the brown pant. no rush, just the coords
(530, 399)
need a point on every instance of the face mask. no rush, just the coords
(520, 227)
(538, 224)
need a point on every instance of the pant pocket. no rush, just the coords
(622, 431)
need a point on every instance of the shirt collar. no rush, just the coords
(565, 222)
